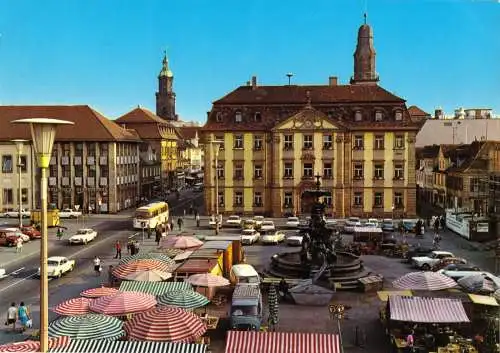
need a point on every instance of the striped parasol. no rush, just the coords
(478, 283)
(185, 299)
(165, 324)
(123, 270)
(148, 256)
(149, 276)
(207, 280)
(34, 346)
(180, 242)
(87, 327)
(272, 303)
(123, 303)
(74, 306)
(424, 280)
(98, 292)
(169, 252)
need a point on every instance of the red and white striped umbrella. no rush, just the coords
(424, 280)
(98, 292)
(34, 346)
(73, 307)
(165, 324)
(126, 269)
(207, 280)
(180, 242)
(123, 303)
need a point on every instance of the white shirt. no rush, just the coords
(97, 262)
(19, 242)
(12, 312)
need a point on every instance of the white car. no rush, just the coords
(69, 213)
(350, 223)
(273, 238)
(292, 222)
(58, 265)
(17, 232)
(371, 224)
(330, 222)
(249, 236)
(457, 271)
(267, 226)
(258, 221)
(15, 214)
(83, 236)
(426, 262)
(294, 240)
(3, 273)
(233, 221)
(374, 221)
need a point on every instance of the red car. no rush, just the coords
(31, 232)
(8, 239)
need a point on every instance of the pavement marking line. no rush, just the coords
(16, 283)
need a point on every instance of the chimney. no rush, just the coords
(254, 82)
(438, 113)
(208, 115)
(333, 81)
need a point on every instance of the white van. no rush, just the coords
(244, 274)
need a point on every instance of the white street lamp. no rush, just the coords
(19, 147)
(43, 133)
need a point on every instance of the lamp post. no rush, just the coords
(337, 312)
(216, 146)
(19, 148)
(43, 133)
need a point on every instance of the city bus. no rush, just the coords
(151, 215)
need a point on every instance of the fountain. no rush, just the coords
(318, 260)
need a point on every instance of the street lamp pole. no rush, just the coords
(337, 312)
(43, 133)
(19, 147)
(216, 154)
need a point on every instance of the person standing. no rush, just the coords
(11, 316)
(158, 235)
(111, 278)
(19, 245)
(197, 217)
(179, 223)
(118, 248)
(172, 225)
(23, 315)
(97, 266)
(149, 233)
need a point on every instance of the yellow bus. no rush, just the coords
(151, 215)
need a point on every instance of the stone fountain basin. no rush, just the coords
(346, 262)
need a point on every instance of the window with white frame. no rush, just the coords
(327, 170)
(257, 142)
(378, 199)
(7, 163)
(327, 142)
(257, 171)
(238, 117)
(257, 198)
(398, 115)
(288, 142)
(238, 141)
(238, 171)
(358, 116)
(399, 142)
(328, 200)
(308, 170)
(378, 171)
(358, 199)
(288, 200)
(288, 170)
(308, 142)
(379, 116)
(220, 198)
(220, 141)
(218, 117)
(379, 142)
(358, 170)
(220, 171)
(358, 142)
(238, 198)
(399, 171)
(398, 200)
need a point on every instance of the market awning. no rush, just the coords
(155, 288)
(428, 310)
(101, 346)
(483, 300)
(281, 342)
(384, 295)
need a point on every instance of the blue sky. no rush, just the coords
(108, 53)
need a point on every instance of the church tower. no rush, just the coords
(165, 97)
(364, 57)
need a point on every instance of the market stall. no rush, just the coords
(103, 346)
(154, 288)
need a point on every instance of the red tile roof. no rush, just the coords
(189, 132)
(298, 95)
(416, 111)
(90, 125)
(147, 125)
(140, 115)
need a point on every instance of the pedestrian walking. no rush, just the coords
(118, 248)
(111, 278)
(149, 233)
(197, 217)
(136, 247)
(158, 235)
(59, 233)
(23, 315)
(179, 223)
(436, 226)
(172, 224)
(19, 245)
(184, 212)
(11, 316)
(97, 266)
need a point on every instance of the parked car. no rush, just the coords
(8, 238)
(448, 261)
(18, 233)
(457, 271)
(374, 221)
(32, 232)
(294, 239)
(58, 265)
(258, 221)
(83, 236)
(410, 226)
(249, 236)
(418, 251)
(248, 224)
(273, 238)
(212, 221)
(330, 222)
(426, 262)
(233, 221)
(69, 213)
(292, 222)
(15, 214)
(267, 226)
(350, 223)
(388, 225)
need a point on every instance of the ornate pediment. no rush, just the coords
(307, 119)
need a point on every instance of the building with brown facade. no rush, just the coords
(94, 164)
(273, 140)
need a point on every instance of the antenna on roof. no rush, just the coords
(289, 75)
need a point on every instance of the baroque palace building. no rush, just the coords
(274, 140)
